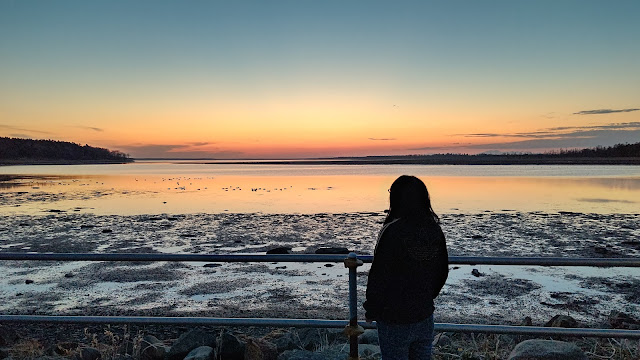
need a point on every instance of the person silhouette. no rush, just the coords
(410, 267)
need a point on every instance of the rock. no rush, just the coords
(279, 250)
(563, 321)
(107, 231)
(546, 350)
(620, 320)
(211, 265)
(88, 353)
(189, 341)
(600, 250)
(28, 281)
(69, 275)
(260, 349)
(476, 236)
(370, 336)
(526, 321)
(4, 354)
(230, 347)
(87, 226)
(332, 250)
(441, 339)
(200, 353)
(476, 273)
(152, 349)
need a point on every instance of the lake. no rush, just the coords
(182, 187)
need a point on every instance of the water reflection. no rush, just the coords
(274, 193)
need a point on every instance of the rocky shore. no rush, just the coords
(47, 341)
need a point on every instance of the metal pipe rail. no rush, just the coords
(453, 260)
(352, 328)
(315, 323)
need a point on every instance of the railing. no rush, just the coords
(353, 328)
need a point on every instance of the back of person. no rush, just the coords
(409, 270)
(410, 267)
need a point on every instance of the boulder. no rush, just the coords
(620, 320)
(152, 349)
(189, 341)
(563, 321)
(201, 353)
(546, 350)
(88, 353)
(370, 336)
(230, 347)
(332, 250)
(279, 250)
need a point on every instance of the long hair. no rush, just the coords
(409, 199)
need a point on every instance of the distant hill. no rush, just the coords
(27, 151)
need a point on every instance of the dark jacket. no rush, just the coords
(409, 268)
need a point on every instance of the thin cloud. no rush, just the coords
(15, 128)
(184, 151)
(91, 128)
(603, 111)
(22, 136)
(381, 139)
(560, 132)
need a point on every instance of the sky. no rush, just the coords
(302, 78)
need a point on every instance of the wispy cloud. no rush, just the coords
(91, 128)
(559, 132)
(603, 111)
(22, 136)
(16, 128)
(178, 151)
(382, 139)
(551, 138)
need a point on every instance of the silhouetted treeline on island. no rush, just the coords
(619, 150)
(27, 151)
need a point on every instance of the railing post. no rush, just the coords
(353, 330)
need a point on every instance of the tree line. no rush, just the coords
(28, 149)
(618, 150)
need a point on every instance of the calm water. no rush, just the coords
(192, 187)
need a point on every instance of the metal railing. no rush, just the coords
(352, 328)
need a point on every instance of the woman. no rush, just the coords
(410, 267)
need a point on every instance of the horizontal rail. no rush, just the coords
(315, 323)
(453, 260)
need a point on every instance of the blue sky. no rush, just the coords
(327, 76)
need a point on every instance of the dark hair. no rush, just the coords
(409, 199)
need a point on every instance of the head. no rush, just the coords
(409, 199)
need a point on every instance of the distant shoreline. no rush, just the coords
(440, 160)
(373, 160)
(7, 162)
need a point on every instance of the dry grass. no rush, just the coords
(26, 349)
(498, 346)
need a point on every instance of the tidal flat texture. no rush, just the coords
(492, 294)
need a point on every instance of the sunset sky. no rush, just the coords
(290, 79)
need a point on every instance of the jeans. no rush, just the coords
(406, 341)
